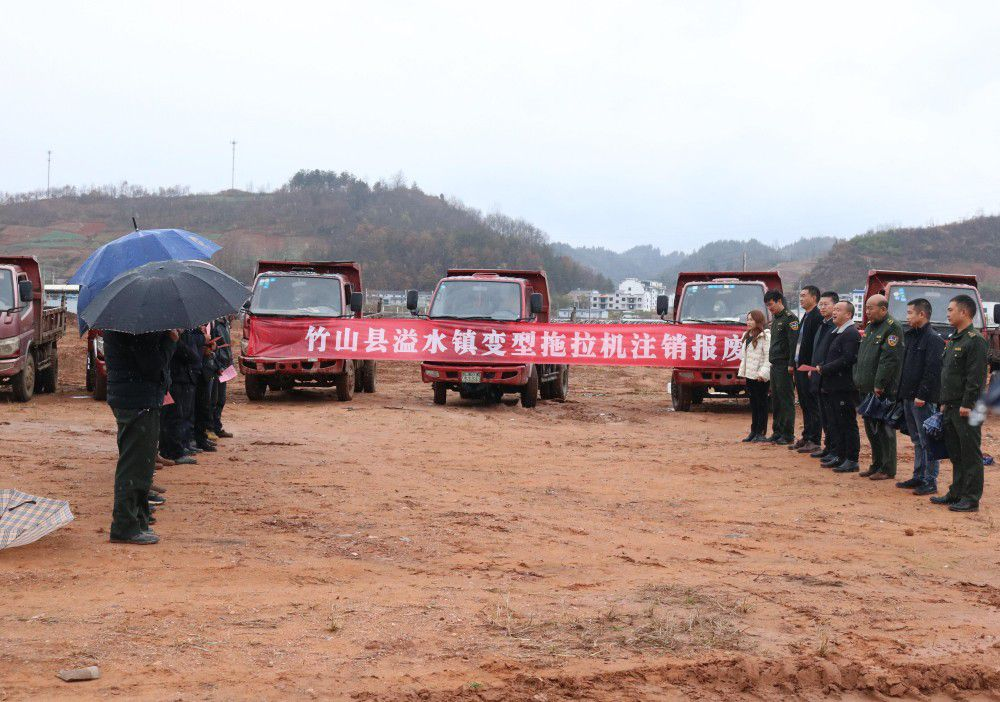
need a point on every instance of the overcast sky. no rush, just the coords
(608, 123)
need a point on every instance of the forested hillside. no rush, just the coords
(402, 236)
(727, 254)
(970, 246)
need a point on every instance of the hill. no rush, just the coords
(402, 236)
(649, 262)
(969, 246)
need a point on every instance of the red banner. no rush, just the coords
(450, 341)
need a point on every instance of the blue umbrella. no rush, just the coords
(131, 251)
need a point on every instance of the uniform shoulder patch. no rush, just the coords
(892, 340)
(794, 324)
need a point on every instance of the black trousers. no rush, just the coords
(175, 433)
(809, 402)
(844, 415)
(826, 415)
(202, 408)
(758, 391)
(218, 404)
(138, 436)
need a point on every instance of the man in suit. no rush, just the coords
(808, 401)
(821, 345)
(837, 384)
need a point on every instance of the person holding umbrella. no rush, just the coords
(141, 312)
(138, 372)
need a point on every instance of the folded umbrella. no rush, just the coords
(25, 518)
(165, 295)
(131, 251)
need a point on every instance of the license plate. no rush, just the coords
(472, 377)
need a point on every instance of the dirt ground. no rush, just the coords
(606, 548)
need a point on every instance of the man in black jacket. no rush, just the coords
(837, 383)
(138, 367)
(808, 401)
(223, 359)
(821, 344)
(203, 388)
(919, 385)
(176, 433)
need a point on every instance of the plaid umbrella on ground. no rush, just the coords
(25, 518)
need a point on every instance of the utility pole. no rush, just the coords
(48, 175)
(744, 260)
(232, 183)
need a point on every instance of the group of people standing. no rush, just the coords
(167, 393)
(831, 366)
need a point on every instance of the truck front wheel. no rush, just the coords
(100, 385)
(529, 391)
(680, 397)
(368, 376)
(256, 388)
(560, 386)
(345, 382)
(23, 384)
(440, 393)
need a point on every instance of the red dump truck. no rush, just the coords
(304, 289)
(901, 287)
(500, 296)
(720, 299)
(29, 331)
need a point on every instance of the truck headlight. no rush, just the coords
(243, 346)
(9, 347)
(432, 374)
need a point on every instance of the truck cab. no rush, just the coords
(720, 299)
(902, 287)
(29, 331)
(492, 296)
(303, 289)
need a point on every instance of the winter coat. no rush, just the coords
(754, 364)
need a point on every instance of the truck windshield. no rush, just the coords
(6, 290)
(297, 296)
(720, 302)
(476, 299)
(938, 295)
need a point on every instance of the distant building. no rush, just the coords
(632, 295)
(582, 314)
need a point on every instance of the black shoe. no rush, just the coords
(964, 505)
(831, 461)
(944, 499)
(868, 473)
(152, 520)
(820, 453)
(926, 490)
(207, 446)
(783, 441)
(759, 439)
(750, 437)
(192, 449)
(143, 538)
(846, 467)
(156, 499)
(223, 434)
(910, 484)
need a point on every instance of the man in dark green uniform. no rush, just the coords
(138, 368)
(963, 375)
(784, 339)
(880, 360)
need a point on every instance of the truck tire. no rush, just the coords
(256, 388)
(100, 386)
(359, 375)
(560, 386)
(48, 379)
(529, 391)
(345, 382)
(368, 376)
(680, 397)
(440, 393)
(23, 384)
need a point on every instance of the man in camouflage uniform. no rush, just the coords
(784, 339)
(880, 359)
(963, 375)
